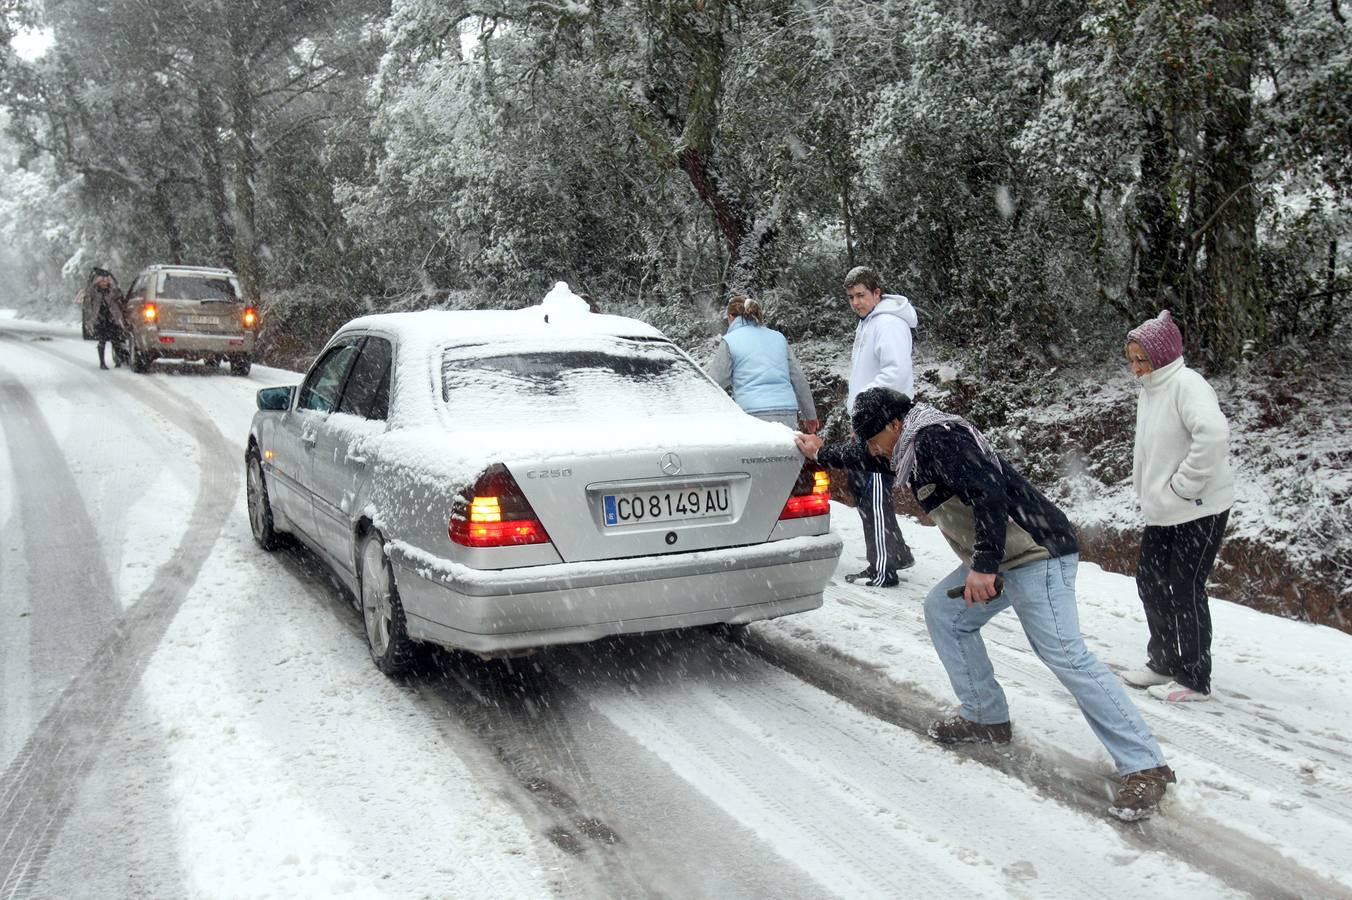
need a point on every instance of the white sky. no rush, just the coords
(30, 43)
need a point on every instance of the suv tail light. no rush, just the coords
(250, 316)
(811, 494)
(149, 312)
(495, 513)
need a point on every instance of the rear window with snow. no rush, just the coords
(595, 378)
(197, 287)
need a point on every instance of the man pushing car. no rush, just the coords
(997, 523)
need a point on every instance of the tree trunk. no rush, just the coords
(1236, 315)
(247, 262)
(213, 167)
(1159, 275)
(164, 210)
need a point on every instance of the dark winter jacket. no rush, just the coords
(107, 313)
(992, 517)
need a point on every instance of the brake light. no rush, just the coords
(494, 513)
(811, 494)
(149, 312)
(250, 316)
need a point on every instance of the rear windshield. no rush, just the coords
(594, 379)
(197, 287)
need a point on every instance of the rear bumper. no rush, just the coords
(513, 609)
(188, 343)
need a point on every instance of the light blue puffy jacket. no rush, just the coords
(760, 367)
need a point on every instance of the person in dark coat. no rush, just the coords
(1017, 549)
(110, 315)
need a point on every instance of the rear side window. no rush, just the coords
(594, 379)
(197, 287)
(368, 387)
(320, 391)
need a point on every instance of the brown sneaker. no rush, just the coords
(1141, 793)
(958, 730)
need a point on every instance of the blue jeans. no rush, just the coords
(1043, 596)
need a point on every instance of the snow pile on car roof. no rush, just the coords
(560, 312)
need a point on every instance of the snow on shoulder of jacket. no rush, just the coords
(881, 356)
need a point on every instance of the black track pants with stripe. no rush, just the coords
(882, 535)
(1171, 578)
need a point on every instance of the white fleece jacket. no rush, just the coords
(1181, 465)
(881, 356)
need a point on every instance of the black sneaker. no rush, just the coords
(906, 562)
(869, 578)
(958, 730)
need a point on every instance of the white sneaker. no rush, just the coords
(1144, 677)
(1173, 692)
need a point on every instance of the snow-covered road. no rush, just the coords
(185, 715)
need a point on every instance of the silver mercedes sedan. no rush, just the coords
(501, 481)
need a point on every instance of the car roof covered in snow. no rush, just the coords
(561, 321)
(561, 313)
(448, 327)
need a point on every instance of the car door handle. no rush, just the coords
(356, 460)
(308, 440)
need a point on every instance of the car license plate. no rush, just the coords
(640, 507)
(202, 320)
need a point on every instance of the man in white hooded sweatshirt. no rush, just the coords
(881, 357)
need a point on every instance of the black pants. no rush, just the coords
(882, 535)
(1171, 578)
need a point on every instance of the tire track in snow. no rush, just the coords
(868, 810)
(39, 788)
(1230, 856)
(492, 715)
(70, 605)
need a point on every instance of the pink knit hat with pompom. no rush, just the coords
(1160, 338)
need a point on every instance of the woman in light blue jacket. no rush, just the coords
(758, 365)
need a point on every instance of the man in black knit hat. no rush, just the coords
(1017, 549)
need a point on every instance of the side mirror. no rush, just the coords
(275, 399)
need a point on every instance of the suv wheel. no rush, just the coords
(240, 365)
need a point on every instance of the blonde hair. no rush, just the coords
(741, 305)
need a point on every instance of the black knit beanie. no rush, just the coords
(875, 408)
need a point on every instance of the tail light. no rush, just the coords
(149, 312)
(495, 513)
(811, 494)
(250, 316)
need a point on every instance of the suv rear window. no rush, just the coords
(594, 379)
(197, 287)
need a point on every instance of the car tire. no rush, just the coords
(733, 633)
(240, 365)
(382, 613)
(260, 507)
(211, 361)
(140, 362)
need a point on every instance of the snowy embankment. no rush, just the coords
(258, 752)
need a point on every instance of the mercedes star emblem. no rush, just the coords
(671, 464)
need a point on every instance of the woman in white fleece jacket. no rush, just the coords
(1181, 471)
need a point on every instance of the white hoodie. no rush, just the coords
(1181, 466)
(881, 356)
